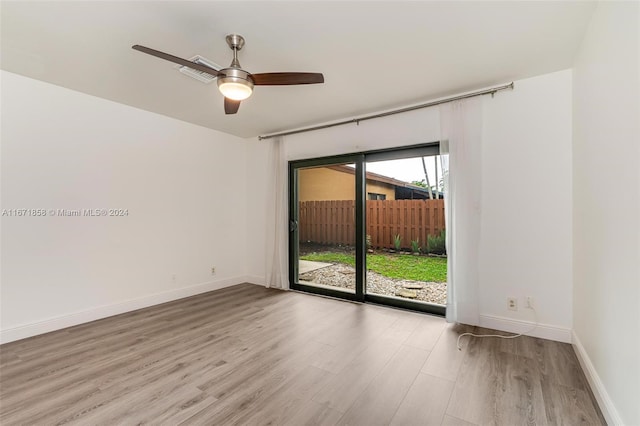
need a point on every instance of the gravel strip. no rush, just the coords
(339, 275)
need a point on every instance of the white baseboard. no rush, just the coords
(255, 279)
(75, 318)
(544, 331)
(599, 391)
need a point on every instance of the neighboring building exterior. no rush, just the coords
(338, 183)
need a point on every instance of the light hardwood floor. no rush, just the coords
(250, 355)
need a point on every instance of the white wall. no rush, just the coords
(257, 154)
(183, 186)
(526, 187)
(526, 223)
(606, 233)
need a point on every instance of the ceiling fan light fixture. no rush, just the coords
(235, 91)
(235, 84)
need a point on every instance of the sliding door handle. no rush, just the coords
(293, 225)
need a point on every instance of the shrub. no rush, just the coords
(368, 242)
(396, 241)
(436, 244)
(415, 246)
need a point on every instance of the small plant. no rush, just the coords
(397, 240)
(415, 246)
(368, 242)
(437, 244)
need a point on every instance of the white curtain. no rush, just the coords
(276, 250)
(461, 152)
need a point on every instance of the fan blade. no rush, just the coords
(231, 106)
(175, 59)
(285, 78)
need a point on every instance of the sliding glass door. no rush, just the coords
(405, 229)
(325, 238)
(365, 227)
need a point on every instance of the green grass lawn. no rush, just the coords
(408, 267)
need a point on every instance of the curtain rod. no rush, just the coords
(492, 91)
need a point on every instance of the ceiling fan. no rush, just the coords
(235, 83)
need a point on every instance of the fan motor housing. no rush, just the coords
(235, 75)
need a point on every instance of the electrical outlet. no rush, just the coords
(213, 270)
(529, 302)
(512, 303)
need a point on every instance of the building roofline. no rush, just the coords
(381, 178)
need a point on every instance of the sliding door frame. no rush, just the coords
(359, 159)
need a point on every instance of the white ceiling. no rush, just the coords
(374, 55)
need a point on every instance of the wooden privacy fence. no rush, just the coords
(333, 222)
